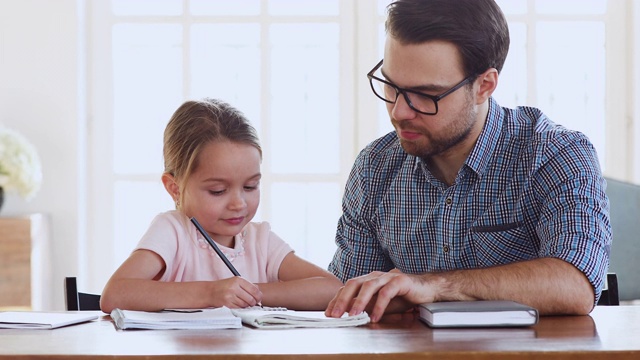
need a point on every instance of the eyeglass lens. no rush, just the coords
(390, 94)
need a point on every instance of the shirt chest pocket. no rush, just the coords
(501, 242)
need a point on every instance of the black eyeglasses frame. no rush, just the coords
(404, 91)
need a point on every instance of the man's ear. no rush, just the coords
(488, 84)
(171, 186)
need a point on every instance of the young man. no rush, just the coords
(466, 200)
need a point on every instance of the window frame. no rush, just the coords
(359, 52)
(98, 262)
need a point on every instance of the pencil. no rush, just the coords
(217, 249)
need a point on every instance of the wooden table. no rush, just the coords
(608, 333)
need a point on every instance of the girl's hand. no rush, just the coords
(234, 292)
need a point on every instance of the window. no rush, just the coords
(297, 70)
(557, 62)
(281, 63)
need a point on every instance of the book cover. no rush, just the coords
(42, 320)
(281, 318)
(218, 318)
(488, 313)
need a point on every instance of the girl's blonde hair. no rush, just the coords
(194, 125)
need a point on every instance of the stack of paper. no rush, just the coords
(42, 320)
(218, 318)
(281, 318)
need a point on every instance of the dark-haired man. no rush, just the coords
(466, 200)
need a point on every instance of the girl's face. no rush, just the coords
(223, 193)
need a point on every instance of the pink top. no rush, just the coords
(257, 255)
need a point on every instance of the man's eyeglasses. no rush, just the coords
(417, 101)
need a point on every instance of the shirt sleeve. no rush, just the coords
(277, 251)
(265, 253)
(574, 222)
(162, 238)
(358, 250)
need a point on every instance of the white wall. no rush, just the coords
(40, 97)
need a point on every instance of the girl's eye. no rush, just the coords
(216, 192)
(251, 188)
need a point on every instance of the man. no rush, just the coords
(466, 200)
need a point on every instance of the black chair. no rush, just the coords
(609, 294)
(77, 300)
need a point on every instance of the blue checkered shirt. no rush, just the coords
(529, 189)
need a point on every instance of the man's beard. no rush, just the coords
(453, 135)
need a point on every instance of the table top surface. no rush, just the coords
(609, 332)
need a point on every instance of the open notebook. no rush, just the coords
(218, 318)
(281, 318)
(225, 318)
(42, 320)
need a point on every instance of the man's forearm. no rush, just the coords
(551, 285)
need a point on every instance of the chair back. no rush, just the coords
(75, 300)
(609, 295)
(624, 200)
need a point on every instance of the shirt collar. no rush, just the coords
(487, 143)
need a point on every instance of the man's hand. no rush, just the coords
(533, 282)
(376, 291)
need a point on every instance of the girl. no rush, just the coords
(212, 171)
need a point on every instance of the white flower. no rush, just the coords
(20, 168)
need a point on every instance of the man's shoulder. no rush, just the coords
(383, 150)
(532, 126)
(536, 141)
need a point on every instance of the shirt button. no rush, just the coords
(445, 249)
(448, 201)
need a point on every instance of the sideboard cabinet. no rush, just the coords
(24, 261)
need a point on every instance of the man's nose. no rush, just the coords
(400, 109)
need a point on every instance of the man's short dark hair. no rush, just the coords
(478, 28)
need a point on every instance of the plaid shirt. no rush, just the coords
(529, 189)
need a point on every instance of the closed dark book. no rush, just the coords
(487, 313)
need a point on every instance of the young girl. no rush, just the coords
(212, 171)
